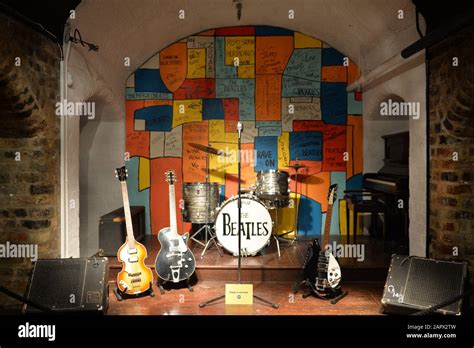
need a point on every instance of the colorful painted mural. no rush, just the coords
(289, 91)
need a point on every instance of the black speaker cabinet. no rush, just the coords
(415, 284)
(70, 285)
(112, 229)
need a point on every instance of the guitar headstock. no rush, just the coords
(170, 177)
(332, 194)
(121, 173)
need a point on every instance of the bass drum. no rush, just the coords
(256, 224)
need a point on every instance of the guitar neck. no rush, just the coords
(128, 216)
(173, 225)
(327, 227)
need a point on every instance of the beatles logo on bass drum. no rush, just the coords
(255, 225)
(248, 229)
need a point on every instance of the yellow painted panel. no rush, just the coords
(218, 134)
(343, 220)
(242, 47)
(220, 165)
(186, 111)
(246, 71)
(286, 218)
(143, 174)
(196, 63)
(284, 150)
(305, 41)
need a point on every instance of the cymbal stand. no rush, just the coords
(295, 209)
(239, 206)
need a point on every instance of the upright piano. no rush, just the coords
(389, 187)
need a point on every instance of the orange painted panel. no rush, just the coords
(334, 73)
(268, 98)
(272, 54)
(194, 160)
(137, 142)
(173, 65)
(159, 202)
(247, 165)
(231, 185)
(356, 122)
(316, 187)
(352, 72)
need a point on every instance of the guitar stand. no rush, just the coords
(335, 295)
(162, 282)
(122, 295)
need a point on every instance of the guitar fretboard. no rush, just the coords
(128, 216)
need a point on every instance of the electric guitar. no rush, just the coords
(174, 262)
(329, 271)
(135, 278)
(321, 271)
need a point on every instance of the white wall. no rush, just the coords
(102, 145)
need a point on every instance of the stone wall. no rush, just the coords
(451, 101)
(29, 149)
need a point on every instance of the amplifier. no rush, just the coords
(113, 231)
(415, 284)
(70, 285)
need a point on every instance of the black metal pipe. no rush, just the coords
(443, 31)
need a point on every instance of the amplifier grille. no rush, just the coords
(430, 283)
(54, 286)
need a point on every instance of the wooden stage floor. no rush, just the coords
(272, 277)
(363, 299)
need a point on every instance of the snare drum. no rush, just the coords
(273, 188)
(256, 224)
(201, 200)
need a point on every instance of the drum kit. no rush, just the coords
(201, 205)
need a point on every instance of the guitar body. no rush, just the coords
(174, 263)
(135, 277)
(321, 271)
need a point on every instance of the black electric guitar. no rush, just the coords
(321, 271)
(175, 262)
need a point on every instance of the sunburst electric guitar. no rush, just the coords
(135, 278)
(321, 271)
(174, 262)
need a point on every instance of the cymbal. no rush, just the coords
(208, 149)
(298, 166)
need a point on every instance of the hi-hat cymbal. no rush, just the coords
(208, 149)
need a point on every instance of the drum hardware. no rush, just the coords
(209, 235)
(239, 234)
(273, 188)
(296, 167)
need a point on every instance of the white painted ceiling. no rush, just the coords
(368, 31)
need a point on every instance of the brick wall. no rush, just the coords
(29, 149)
(451, 97)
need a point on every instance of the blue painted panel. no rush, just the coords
(306, 146)
(334, 102)
(212, 109)
(305, 63)
(354, 107)
(223, 71)
(140, 198)
(244, 89)
(298, 87)
(267, 153)
(149, 80)
(309, 217)
(354, 183)
(332, 56)
(262, 30)
(157, 117)
(267, 124)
